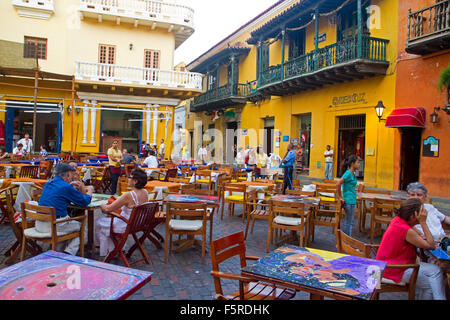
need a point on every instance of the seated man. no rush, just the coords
(128, 158)
(76, 176)
(59, 193)
(151, 160)
(19, 150)
(435, 219)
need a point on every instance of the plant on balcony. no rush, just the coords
(444, 79)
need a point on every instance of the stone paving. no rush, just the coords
(185, 277)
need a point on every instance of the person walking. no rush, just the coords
(288, 167)
(348, 194)
(203, 154)
(162, 150)
(115, 157)
(261, 163)
(329, 155)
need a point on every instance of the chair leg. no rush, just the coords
(141, 249)
(22, 254)
(166, 245)
(269, 238)
(253, 224)
(211, 227)
(246, 228)
(221, 214)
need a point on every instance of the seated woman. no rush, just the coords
(126, 202)
(399, 245)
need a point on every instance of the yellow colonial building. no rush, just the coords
(112, 60)
(309, 72)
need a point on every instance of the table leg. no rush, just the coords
(90, 218)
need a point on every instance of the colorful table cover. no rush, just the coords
(323, 270)
(185, 198)
(57, 276)
(295, 198)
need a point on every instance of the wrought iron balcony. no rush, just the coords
(174, 17)
(221, 97)
(39, 9)
(339, 62)
(128, 75)
(429, 29)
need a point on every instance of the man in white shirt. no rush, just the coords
(435, 219)
(19, 150)
(27, 143)
(162, 149)
(329, 154)
(151, 160)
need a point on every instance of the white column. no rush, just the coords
(167, 125)
(155, 124)
(85, 120)
(147, 122)
(93, 120)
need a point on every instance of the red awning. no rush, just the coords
(407, 118)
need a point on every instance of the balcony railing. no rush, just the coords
(429, 29)
(41, 9)
(112, 73)
(372, 49)
(223, 92)
(429, 21)
(142, 9)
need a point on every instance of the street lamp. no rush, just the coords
(379, 109)
(434, 116)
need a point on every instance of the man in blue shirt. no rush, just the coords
(59, 193)
(288, 165)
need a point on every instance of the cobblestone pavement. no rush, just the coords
(185, 277)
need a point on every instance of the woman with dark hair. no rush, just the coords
(126, 202)
(399, 244)
(348, 195)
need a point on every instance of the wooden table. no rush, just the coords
(442, 259)
(57, 276)
(210, 201)
(160, 186)
(96, 201)
(363, 196)
(320, 273)
(308, 201)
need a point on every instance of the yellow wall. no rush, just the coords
(324, 126)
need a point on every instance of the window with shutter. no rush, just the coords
(107, 57)
(35, 48)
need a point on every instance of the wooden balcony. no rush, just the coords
(221, 97)
(156, 14)
(336, 63)
(429, 29)
(39, 9)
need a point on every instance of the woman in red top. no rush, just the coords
(399, 244)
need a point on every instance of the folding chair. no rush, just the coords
(142, 219)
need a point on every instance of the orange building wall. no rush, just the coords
(417, 78)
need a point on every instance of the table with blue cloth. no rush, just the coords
(98, 160)
(32, 162)
(93, 164)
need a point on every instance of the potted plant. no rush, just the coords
(444, 82)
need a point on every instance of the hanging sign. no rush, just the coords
(322, 37)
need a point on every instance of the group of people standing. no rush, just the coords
(146, 148)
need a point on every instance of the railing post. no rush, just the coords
(409, 25)
(232, 75)
(360, 29)
(283, 44)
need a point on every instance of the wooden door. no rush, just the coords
(410, 156)
(107, 59)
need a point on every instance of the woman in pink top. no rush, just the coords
(399, 244)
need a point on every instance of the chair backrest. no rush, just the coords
(265, 181)
(376, 191)
(351, 246)
(285, 208)
(142, 217)
(7, 208)
(301, 193)
(171, 173)
(203, 192)
(386, 206)
(129, 168)
(225, 248)
(186, 211)
(233, 187)
(203, 174)
(46, 168)
(186, 188)
(203, 167)
(29, 172)
(330, 181)
(296, 183)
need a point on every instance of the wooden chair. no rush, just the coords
(209, 210)
(233, 246)
(103, 185)
(328, 214)
(129, 168)
(186, 188)
(6, 205)
(221, 181)
(382, 213)
(46, 169)
(328, 190)
(31, 172)
(141, 220)
(236, 195)
(204, 177)
(330, 181)
(290, 216)
(349, 245)
(296, 184)
(30, 211)
(185, 218)
(240, 176)
(170, 173)
(365, 207)
(257, 210)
